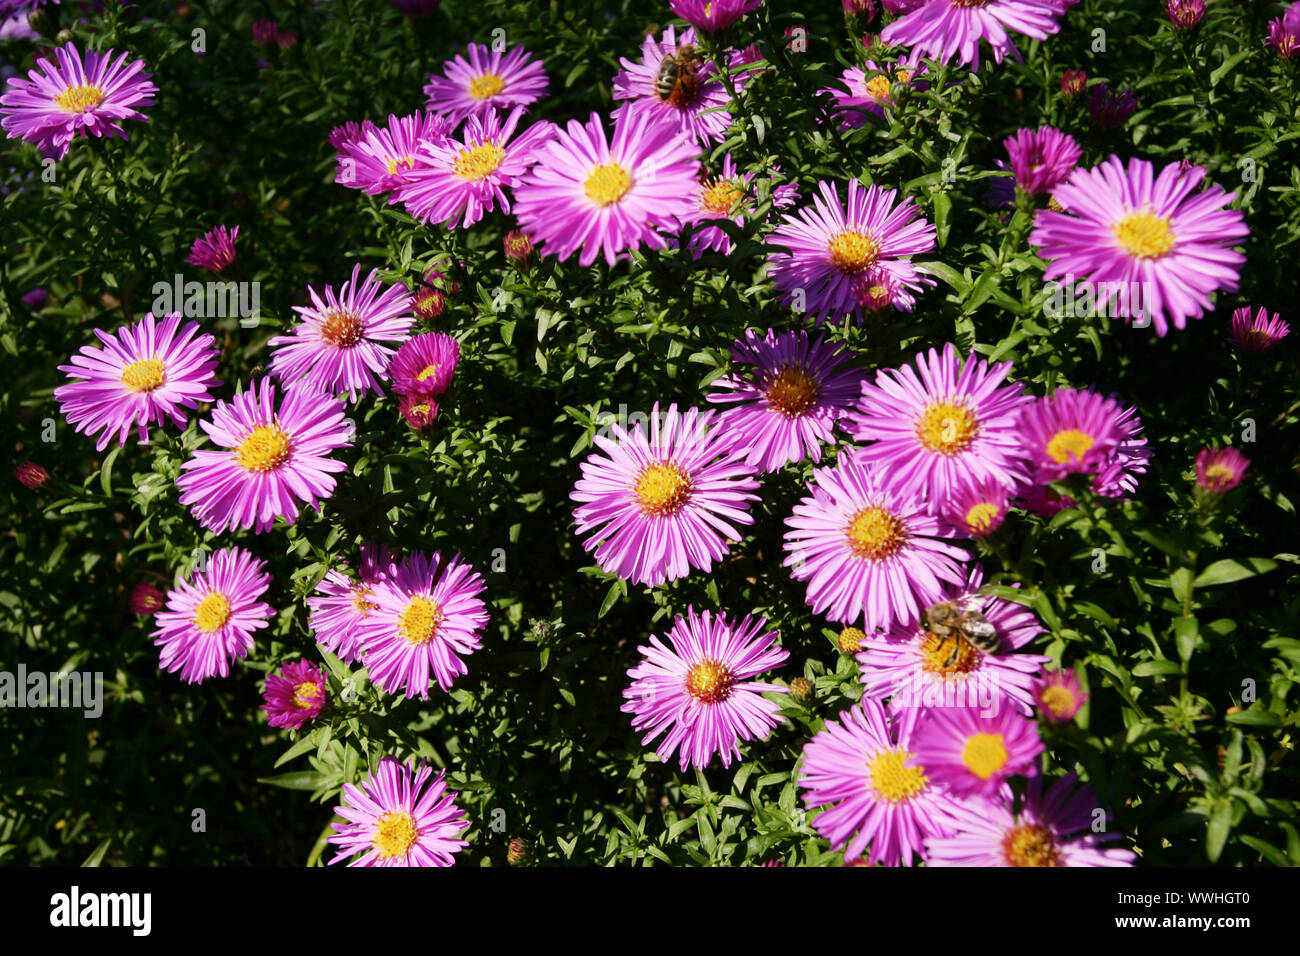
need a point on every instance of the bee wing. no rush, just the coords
(980, 629)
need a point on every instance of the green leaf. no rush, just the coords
(1233, 569)
(106, 470)
(1148, 668)
(1255, 716)
(97, 855)
(1182, 583)
(1217, 832)
(298, 780)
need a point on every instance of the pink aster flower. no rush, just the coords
(658, 505)
(264, 31)
(1118, 476)
(425, 364)
(466, 177)
(340, 604)
(1257, 335)
(1070, 432)
(866, 90)
(1124, 226)
(1054, 828)
(337, 346)
(1059, 696)
(146, 599)
(349, 133)
(867, 549)
(822, 254)
(608, 196)
(972, 752)
(951, 426)
(712, 15)
(942, 29)
(728, 196)
(428, 615)
(787, 407)
(698, 691)
(697, 88)
(394, 819)
(862, 768)
(977, 510)
(61, 101)
(1042, 159)
(489, 80)
(915, 668)
(273, 458)
(295, 695)
(381, 159)
(1219, 470)
(145, 373)
(210, 618)
(214, 250)
(419, 411)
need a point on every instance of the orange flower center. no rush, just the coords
(792, 391)
(875, 534)
(709, 682)
(852, 252)
(1030, 845)
(342, 328)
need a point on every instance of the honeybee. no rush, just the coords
(961, 621)
(676, 83)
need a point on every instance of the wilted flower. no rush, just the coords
(1073, 82)
(1108, 108)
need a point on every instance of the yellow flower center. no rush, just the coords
(1059, 700)
(792, 391)
(420, 621)
(891, 780)
(1030, 845)
(1053, 205)
(903, 76)
(720, 197)
(875, 297)
(947, 428)
(938, 656)
(266, 448)
(212, 613)
(342, 328)
(877, 87)
(852, 252)
(607, 184)
(981, 517)
(144, 375)
(399, 162)
(427, 372)
(78, 99)
(662, 489)
(1070, 442)
(489, 84)
(984, 754)
(395, 834)
(306, 694)
(1144, 234)
(875, 534)
(851, 639)
(709, 682)
(478, 163)
(1218, 474)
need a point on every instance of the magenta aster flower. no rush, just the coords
(210, 618)
(1059, 696)
(609, 196)
(1070, 432)
(59, 102)
(1257, 335)
(868, 550)
(518, 247)
(489, 80)
(1073, 82)
(295, 695)
(977, 510)
(1041, 500)
(1185, 14)
(425, 364)
(1284, 33)
(1118, 477)
(1054, 828)
(697, 88)
(942, 29)
(340, 604)
(787, 407)
(273, 458)
(822, 254)
(698, 691)
(337, 346)
(1110, 108)
(145, 373)
(31, 475)
(349, 133)
(419, 411)
(915, 668)
(952, 426)
(1121, 226)
(728, 196)
(264, 31)
(427, 616)
(466, 178)
(146, 599)
(660, 505)
(393, 819)
(381, 158)
(866, 89)
(972, 752)
(1220, 469)
(712, 15)
(1042, 159)
(863, 769)
(214, 250)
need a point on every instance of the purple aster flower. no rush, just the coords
(862, 768)
(1219, 470)
(337, 346)
(728, 196)
(977, 509)
(697, 88)
(973, 752)
(1071, 432)
(295, 695)
(1284, 33)
(273, 458)
(264, 31)
(427, 617)
(1118, 477)
(489, 80)
(394, 819)
(340, 604)
(607, 196)
(418, 410)
(1053, 828)
(821, 256)
(698, 689)
(349, 134)
(425, 364)
(210, 618)
(658, 505)
(1073, 82)
(942, 29)
(1185, 14)
(35, 299)
(63, 100)
(214, 250)
(1042, 159)
(382, 158)
(1109, 108)
(867, 549)
(868, 88)
(1131, 230)
(145, 373)
(712, 15)
(1059, 696)
(1258, 335)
